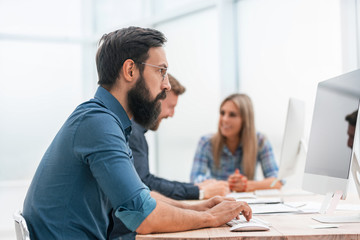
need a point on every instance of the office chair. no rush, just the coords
(22, 232)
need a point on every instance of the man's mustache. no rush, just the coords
(160, 96)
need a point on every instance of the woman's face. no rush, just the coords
(230, 121)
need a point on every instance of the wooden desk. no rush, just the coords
(284, 226)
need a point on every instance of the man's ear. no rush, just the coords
(129, 70)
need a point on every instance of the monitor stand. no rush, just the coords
(332, 200)
(355, 170)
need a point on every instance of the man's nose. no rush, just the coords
(166, 84)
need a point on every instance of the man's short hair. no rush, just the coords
(176, 87)
(126, 43)
(351, 118)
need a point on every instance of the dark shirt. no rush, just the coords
(171, 189)
(85, 173)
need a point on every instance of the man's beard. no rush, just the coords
(155, 124)
(144, 110)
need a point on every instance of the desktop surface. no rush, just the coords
(283, 226)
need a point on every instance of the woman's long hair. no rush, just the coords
(247, 135)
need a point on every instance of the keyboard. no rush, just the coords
(255, 224)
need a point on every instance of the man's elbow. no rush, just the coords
(144, 228)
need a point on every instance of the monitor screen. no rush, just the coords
(328, 159)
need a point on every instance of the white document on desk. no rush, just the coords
(261, 200)
(241, 195)
(272, 208)
(267, 192)
(305, 207)
(314, 207)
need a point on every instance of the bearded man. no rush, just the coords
(87, 172)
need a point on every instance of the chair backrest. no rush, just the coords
(22, 232)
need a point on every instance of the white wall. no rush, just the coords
(193, 60)
(284, 52)
(41, 79)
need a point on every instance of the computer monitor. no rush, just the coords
(293, 141)
(328, 161)
(355, 167)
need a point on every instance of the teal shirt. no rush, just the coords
(85, 173)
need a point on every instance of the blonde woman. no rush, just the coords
(234, 151)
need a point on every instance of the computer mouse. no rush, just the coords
(249, 226)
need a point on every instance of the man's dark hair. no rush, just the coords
(176, 86)
(351, 118)
(126, 43)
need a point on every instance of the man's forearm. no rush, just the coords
(159, 197)
(167, 218)
(172, 189)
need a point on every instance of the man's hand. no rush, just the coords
(210, 203)
(237, 182)
(206, 182)
(226, 210)
(212, 187)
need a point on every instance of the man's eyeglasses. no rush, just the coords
(162, 70)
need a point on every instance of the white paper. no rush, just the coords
(320, 226)
(272, 208)
(241, 195)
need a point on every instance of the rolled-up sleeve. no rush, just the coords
(134, 212)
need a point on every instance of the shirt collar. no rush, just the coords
(135, 124)
(114, 105)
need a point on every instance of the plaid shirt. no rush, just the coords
(204, 167)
